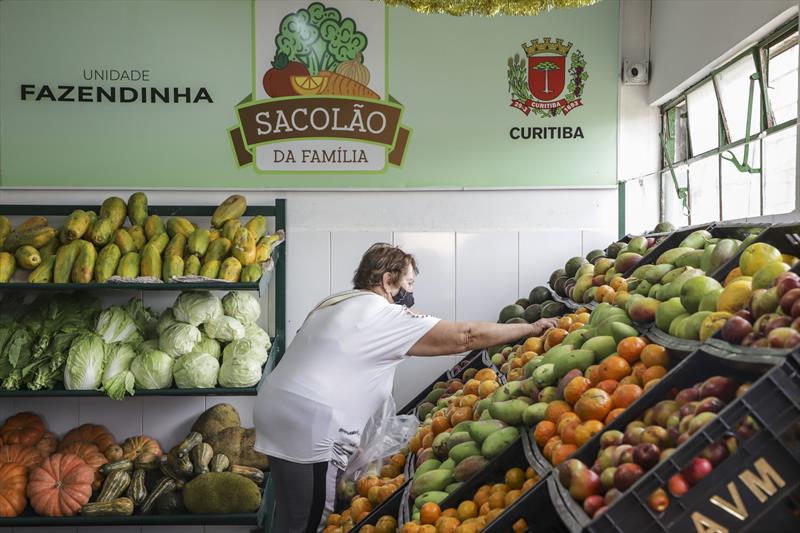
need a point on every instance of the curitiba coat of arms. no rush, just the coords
(538, 85)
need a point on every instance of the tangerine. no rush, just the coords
(545, 430)
(556, 409)
(484, 509)
(482, 495)
(614, 414)
(567, 431)
(514, 478)
(654, 355)
(595, 404)
(497, 500)
(466, 510)
(626, 394)
(569, 416)
(562, 453)
(654, 372)
(614, 367)
(386, 524)
(447, 524)
(512, 496)
(450, 512)
(530, 473)
(592, 374)
(429, 513)
(575, 388)
(520, 526)
(634, 380)
(586, 431)
(608, 385)
(630, 348)
(551, 446)
(529, 484)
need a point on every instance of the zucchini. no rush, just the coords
(192, 439)
(125, 464)
(201, 456)
(219, 463)
(117, 507)
(114, 486)
(253, 474)
(137, 490)
(166, 484)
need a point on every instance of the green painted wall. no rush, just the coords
(449, 73)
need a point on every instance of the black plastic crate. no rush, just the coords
(513, 455)
(773, 403)
(390, 507)
(672, 241)
(476, 359)
(535, 507)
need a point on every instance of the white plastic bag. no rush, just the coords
(385, 434)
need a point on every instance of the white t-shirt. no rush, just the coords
(337, 372)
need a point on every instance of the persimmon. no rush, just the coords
(544, 431)
(595, 404)
(586, 430)
(654, 355)
(630, 348)
(614, 367)
(429, 513)
(471, 386)
(562, 453)
(438, 424)
(608, 385)
(565, 322)
(654, 372)
(533, 344)
(575, 388)
(626, 394)
(614, 414)
(556, 409)
(551, 446)
(554, 337)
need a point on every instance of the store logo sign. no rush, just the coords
(320, 99)
(544, 82)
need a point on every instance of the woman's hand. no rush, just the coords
(542, 325)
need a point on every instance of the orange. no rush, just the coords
(512, 496)
(608, 385)
(334, 519)
(514, 478)
(494, 513)
(554, 337)
(466, 510)
(556, 409)
(614, 414)
(450, 512)
(562, 453)
(439, 424)
(530, 473)
(386, 524)
(593, 374)
(626, 394)
(499, 487)
(586, 431)
(410, 527)
(630, 348)
(368, 529)
(482, 495)
(551, 446)
(497, 500)
(533, 344)
(486, 373)
(567, 430)
(575, 388)
(471, 386)
(484, 509)
(529, 484)
(447, 524)
(398, 460)
(614, 367)
(544, 431)
(520, 526)
(569, 416)
(654, 372)
(427, 528)
(638, 368)
(429, 513)
(309, 85)
(654, 355)
(595, 404)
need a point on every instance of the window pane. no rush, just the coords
(741, 191)
(779, 171)
(782, 84)
(674, 129)
(734, 88)
(703, 118)
(673, 210)
(642, 204)
(704, 190)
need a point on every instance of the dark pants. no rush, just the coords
(300, 494)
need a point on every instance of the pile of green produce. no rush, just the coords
(90, 247)
(199, 342)
(538, 304)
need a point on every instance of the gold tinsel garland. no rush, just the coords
(489, 7)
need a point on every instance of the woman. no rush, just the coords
(339, 370)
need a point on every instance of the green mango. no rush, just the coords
(452, 487)
(654, 290)
(435, 496)
(673, 327)
(480, 430)
(510, 411)
(709, 301)
(692, 259)
(435, 480)
(621, 331)
(578, 359)
(655, 274)
(643, 288)
(534, 414)
(447, 465)
(705, 262)
(674, 288)
(672, 274)
(724, 251)
(544, 376)
(427, 466)
(498, 441)
(461, 452)
(672, 256)
(667, 312)
(696, 239)
(602, 346)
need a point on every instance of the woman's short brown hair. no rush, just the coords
(379, 259)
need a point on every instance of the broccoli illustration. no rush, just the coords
(319, 38)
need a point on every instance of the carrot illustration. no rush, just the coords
(339, 85)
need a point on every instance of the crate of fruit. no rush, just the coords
(383, 517)
(487, 488)
(712, 447)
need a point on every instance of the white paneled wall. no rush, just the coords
(477, 251)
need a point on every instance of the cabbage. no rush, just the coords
(196, 371)
(224, 329)
(152, 370)
(196, 307)
(207, 345)
(84, 368)
(255, 333)
(242, 306)
(167, 319)
(179, 339)
(116, 325)
(117, 377)
(249, 348)
(239, 372)
(148, 346)
(146, 320)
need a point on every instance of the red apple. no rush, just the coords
(658, 501)
(788, 300)
(593, 503)
(584, 484)
(626, 475)
(678, 486)
(720, 386)
(783, 337)
(786, 282)
(711, 404)
(716, 452)
(611, 438)
(688, 395)
(646, 455)
(735, 329)
(699, 468)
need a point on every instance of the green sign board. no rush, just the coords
(302, 94)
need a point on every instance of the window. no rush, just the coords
(732, 171)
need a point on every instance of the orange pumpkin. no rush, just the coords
(23, 428)
(133, 447)
(21, 455)
(60, 486)
(94, 433)
(91, 455)
(48, 445)
(13, 480)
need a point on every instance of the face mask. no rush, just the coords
(403, 297)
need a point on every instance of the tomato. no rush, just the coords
(278, 80)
